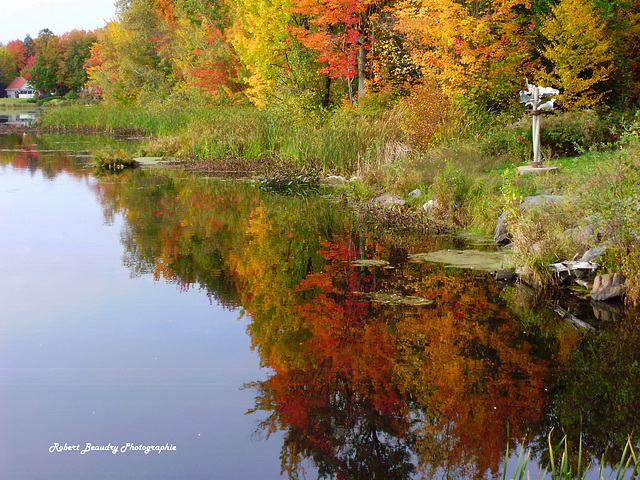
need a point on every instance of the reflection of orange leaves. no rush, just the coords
(479, 376)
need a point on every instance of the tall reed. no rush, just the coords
(346, 141)
(559, 468)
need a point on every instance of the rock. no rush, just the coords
(387, 199)
(501, 235)
(430, 205)
(416, 193)
(582, 235)
(608, 286)
(593, 253)
(539, 200)
(336, 180)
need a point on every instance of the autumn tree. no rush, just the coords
(340, 34)
(203, 58)
(579, 54)
(130, 61)
(476, 51)
(75, 49)
(7, 68)
(18, 53)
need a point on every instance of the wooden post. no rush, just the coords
(536, 128)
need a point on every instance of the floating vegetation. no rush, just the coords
(300, 182)
(113, 161)
(384, 298)
(479, 260)
(370, 262)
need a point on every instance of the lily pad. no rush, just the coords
(149, 161)
(475, 259)
(370, 262)
(384, 298)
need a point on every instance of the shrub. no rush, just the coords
(573, 133)
(423, 113)
(510, 140)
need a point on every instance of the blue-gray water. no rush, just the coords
(89, 354)
(138, 310)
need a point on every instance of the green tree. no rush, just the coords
(622, 28)
(43, 71)
(75, 48)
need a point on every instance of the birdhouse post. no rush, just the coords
(533, 97)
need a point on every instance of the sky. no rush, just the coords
(21, 17)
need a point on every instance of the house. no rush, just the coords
(20, 88)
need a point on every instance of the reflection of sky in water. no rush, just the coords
(88, 354)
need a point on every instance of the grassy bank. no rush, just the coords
(347, 142)
(468, 168)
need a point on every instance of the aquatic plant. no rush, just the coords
(292, 182)
(560, 468)
(113, 161)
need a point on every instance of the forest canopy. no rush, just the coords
(322, 53)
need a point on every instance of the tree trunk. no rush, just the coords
(326, 90)
(362, 69)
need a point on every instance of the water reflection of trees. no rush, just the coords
(378, 389)
(437, 384)
(52, 155)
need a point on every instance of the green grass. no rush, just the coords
(15, 103)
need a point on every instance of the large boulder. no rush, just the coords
(539, 201)
(501, 235)
(608, 286)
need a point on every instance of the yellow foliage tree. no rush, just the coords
(261, 40)
(579, 52)
(469, 48)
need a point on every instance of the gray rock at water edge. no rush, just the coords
(387, 199)
(430, 205)
(608, 286)
(415, 193)
(501, 235)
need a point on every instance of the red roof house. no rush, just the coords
(20, 88)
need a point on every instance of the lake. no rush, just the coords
(157, 324)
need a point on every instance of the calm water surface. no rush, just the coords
(257, 333)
